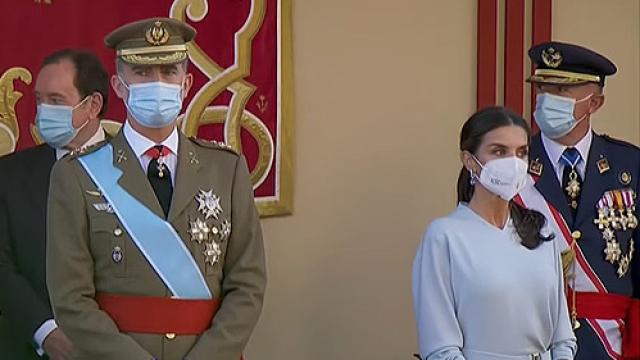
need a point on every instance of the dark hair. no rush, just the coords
(90, 77)
(527, 222)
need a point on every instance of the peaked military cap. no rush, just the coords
(154, 41)
(567, 64)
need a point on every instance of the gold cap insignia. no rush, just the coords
(551, 57)
(157, 34)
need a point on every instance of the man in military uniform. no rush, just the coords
(71, 92)
(155, 247)
(588, 185)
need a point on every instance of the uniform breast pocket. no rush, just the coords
(108, 245)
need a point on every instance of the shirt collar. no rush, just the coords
(96, 138)
(555, 149)
(140, 144)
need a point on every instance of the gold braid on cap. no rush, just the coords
(175, 57)
(571, 76)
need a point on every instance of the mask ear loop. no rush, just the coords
(586, 98)
(77, 106)
(473, 177)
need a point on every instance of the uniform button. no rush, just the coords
(170, 336)
(576, 235)
(117, 231)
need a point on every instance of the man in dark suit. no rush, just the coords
(590, 184)
(71, 92)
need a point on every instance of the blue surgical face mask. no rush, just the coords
(55, 123)
(554, 114)
(154, 104)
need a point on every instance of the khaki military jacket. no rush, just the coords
(90, 252)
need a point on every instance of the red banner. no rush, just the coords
(241, 61)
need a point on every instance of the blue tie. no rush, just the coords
(570, 157)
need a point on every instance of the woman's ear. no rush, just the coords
(468, 161)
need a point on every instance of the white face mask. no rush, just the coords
(504, 177)
(554, 114)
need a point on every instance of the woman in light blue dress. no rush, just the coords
(487, 282)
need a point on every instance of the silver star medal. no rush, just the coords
(212, 253)
(209, 204)
(199, 231)
(225, 229)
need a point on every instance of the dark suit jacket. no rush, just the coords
(24, 301)
(621, 158)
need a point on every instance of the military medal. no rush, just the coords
(625, 260)
(106, 207)
(117, 255)
(612, 251)
(625, 177)
(209, 204)
(573, 187)
(161, 166)
(212, 253)
(616, 212)
(199, 231)
(225, 229)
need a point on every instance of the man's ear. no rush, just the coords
(595, 103)
(118, 87)
(95, 105)
(188, 82)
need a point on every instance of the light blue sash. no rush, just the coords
(155, 237)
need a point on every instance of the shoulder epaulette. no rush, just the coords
(213, 144)
(85, 150)
(619, 142)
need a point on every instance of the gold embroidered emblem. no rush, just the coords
(157, 34)
(551, 57)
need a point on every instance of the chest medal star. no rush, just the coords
(209, 204)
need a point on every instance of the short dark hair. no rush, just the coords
(90, 75)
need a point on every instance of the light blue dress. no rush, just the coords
(480, 295)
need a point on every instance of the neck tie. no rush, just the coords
(159, 176)
(571, 181)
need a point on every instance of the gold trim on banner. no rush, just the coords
(284, 204)
(9, 97)
(218, 115)
(235, 117)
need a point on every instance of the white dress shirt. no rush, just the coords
(49, 325)
(140, 144)
(554, 152)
